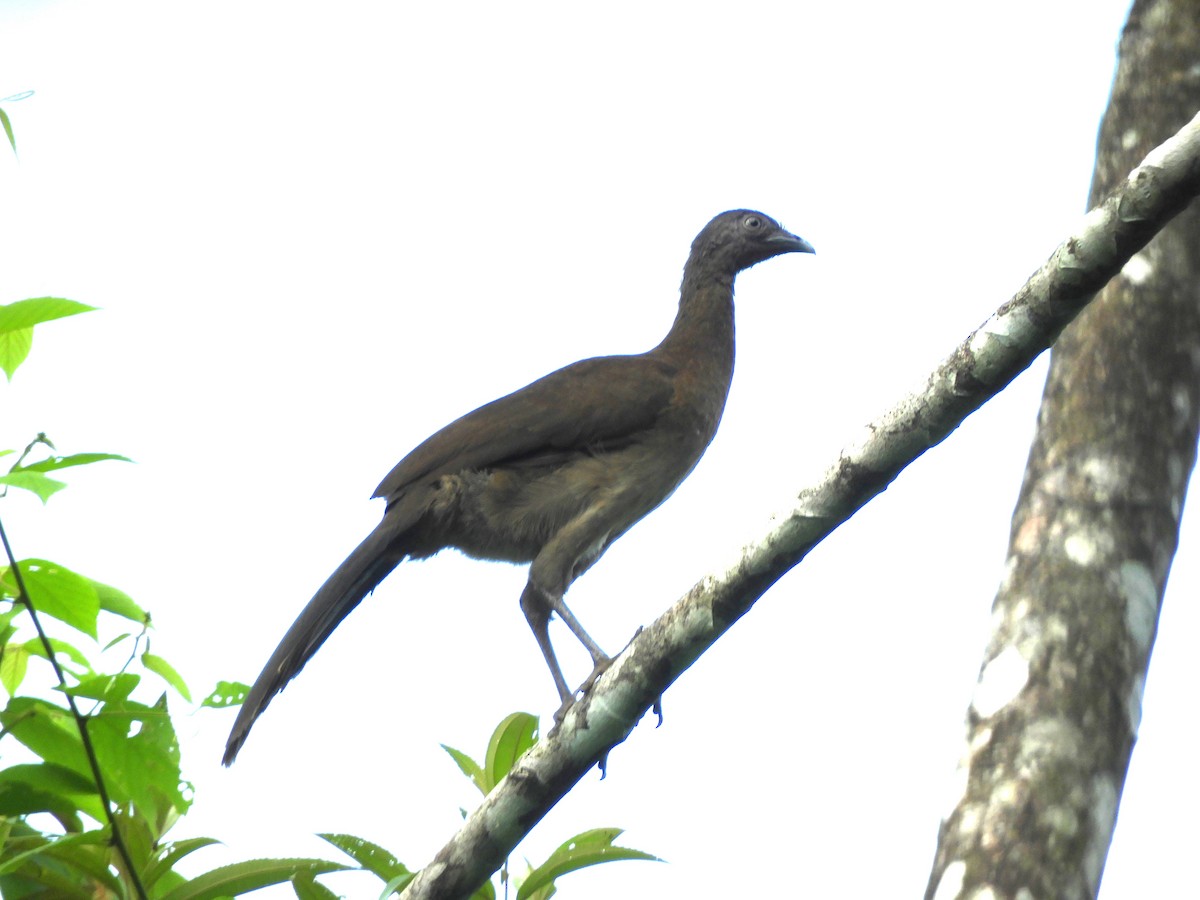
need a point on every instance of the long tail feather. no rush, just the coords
(362, 571)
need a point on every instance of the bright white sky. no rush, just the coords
(318, 233)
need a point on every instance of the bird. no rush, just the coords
(553, 473)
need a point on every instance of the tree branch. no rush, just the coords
(978, 369)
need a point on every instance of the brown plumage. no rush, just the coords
(553, 473)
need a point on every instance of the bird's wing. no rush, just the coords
(592, 404)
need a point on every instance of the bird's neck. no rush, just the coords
(703, 330)
(700, 347)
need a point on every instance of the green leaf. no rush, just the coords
(46, 729)
(42, 787)
(48, 777)
(307, 888)
(34, 647)
(75, 459)
(109, 688)
(468, 767)
(138, 752)
(35, 482)
(226, 694)
(27, 313)
(139, 834)
(370, 856)
(7, 630)
(171, 853)
(586, 849)
(167, 673)
(73, 866)
(8, 130)
(396, 885)
(88, 859)
(243, 877)
(58, 592)
(512, 737)
(58, 882)
(14, 348)
(26, 800)
(13, 664)
(119, 603)
(545, 892)
(118, 640)
(135, 745)
(38, 845)
(51, 733)
(17, 321)
(33, 476)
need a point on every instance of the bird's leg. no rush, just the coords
(535, 605)
(600, 660)
(599, 657)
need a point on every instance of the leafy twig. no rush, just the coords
(80, 719)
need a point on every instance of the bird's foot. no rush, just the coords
(561, 712)
(601, 666)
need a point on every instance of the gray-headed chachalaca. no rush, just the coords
(555, 472)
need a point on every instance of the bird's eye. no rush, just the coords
(752, 222)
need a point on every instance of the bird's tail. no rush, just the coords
(362, 571)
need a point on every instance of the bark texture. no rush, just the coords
(1056, 710)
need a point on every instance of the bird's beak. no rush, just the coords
(790, 243)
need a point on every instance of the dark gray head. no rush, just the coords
(739, 238)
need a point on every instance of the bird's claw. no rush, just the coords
(561, 712)
(601, 666)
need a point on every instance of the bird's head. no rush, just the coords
(739, 238)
